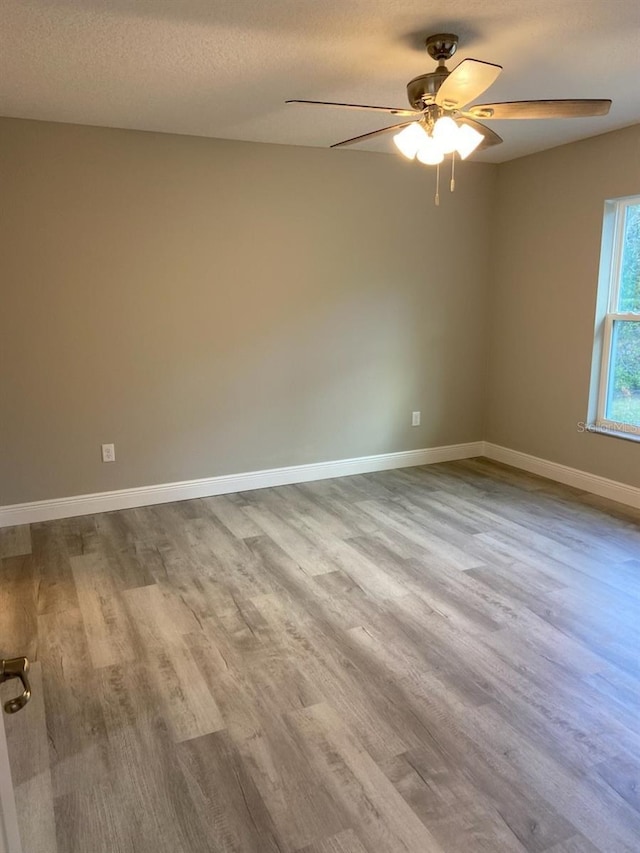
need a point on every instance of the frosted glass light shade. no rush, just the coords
(468, 140)
(430, 152)
(445, 132)
(409, 140)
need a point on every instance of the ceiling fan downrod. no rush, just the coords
(422, 90)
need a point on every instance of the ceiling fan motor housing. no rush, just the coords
(422, 90)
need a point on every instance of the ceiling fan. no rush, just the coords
(439, 122)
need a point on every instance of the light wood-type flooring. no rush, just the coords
(433, 660)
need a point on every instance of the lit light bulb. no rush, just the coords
(430, 152)
(410, 139)
(468, 140)
(445, 132)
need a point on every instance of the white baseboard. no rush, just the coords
(592, 483)
(29, 513)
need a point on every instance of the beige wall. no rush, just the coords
(548, 224)
(215, 307)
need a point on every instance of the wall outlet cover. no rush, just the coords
(108, 453)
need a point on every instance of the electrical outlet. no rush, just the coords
(415, 418)
(108, 453)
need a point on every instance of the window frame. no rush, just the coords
(611, 279)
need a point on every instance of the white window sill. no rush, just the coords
(629, 432)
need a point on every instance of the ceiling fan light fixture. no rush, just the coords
(445, 132)
(410, 140)
(467, 140)
(430, 153)
(441, 121)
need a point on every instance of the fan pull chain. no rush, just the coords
(453, 171)
(437, 185)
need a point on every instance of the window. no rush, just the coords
(618, 331)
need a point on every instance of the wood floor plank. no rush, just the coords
(575, 844)
(302, 806)
(18, 607)
(587, 804)
(15, 541)
(458, 813)
(233, 516)
(96, 818)
(155, 800)
(309, 555)
(324, 664)
(117, 536)
(622, 773)
(344, 842)
(75, 724)
(52, 567)
(388, 515)
(188, 706)
(383, 817)
(529, 817)
(106, 621)
(222, 789)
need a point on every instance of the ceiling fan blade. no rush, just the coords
(541, 109)
(466, 82)
(395, 111)
(490, 136)
(371, 135)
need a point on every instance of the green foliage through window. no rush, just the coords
(629, 301)
(621, 403)
(624, 398)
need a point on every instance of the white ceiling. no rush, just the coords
(224, 69)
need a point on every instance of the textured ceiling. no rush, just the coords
(224, 69)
